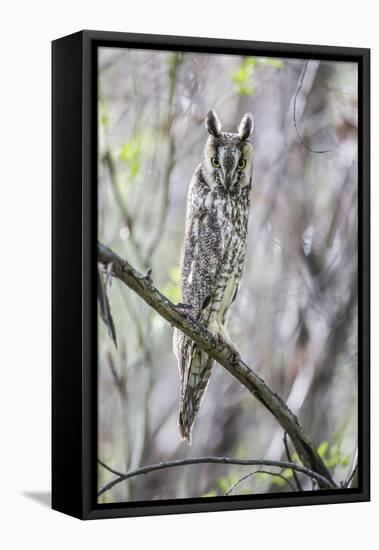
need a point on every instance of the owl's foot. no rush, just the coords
(147, 275)
(219, 331)
(226, 342)
(225, 335)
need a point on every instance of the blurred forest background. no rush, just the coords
(295, 318)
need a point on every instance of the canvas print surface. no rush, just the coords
(227, 194)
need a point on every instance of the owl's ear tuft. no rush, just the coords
(245, 129)
(213, 124)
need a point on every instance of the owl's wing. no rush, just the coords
(204, 255)
(197, 275)
(201, 257)
(207, 241)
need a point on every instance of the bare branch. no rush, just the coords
(322, 481)
(294, 114)
(175, 63)
(125, 214)
(251, 474)
(351, 477)
(112, 470)
(286, 446)
(105, 308)
(224, 354)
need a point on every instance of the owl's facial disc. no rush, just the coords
(228, 165)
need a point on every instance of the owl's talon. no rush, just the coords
(226, 343)
(236, 357)
(236, 354)
(148, 273)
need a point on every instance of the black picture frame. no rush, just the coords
(74, 313)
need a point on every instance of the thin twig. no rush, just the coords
(294, 114)
(175, 63)
(112, 470)
(351, 476)
(251, 474)
(286, 446)
(223, 353)
(125, 214)
(105, 308)
(322, 481)
(141, 434)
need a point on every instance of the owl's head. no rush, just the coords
(228, 157)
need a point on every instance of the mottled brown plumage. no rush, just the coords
(218, 206)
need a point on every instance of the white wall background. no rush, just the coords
(27, 29)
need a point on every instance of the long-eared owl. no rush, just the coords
(213, 255)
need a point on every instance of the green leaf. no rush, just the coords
(275, 480)
(334, 456)
(104, 119)
(277, 63)
(246, 90)
(251, 61)
(243, 77)
(210, 494)
(323, 447)
(134, 167)
(223, 484)
(295, 457)
(130, 151)
(103, 116)
(240, 75)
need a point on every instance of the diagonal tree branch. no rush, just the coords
(321, 480)
(226, 356)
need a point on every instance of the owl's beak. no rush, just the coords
(228, 181)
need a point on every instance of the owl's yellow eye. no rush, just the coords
(241, 163)
(215, 162)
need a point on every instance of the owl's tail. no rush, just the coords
(193, 385)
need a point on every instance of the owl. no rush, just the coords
(213, 254)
